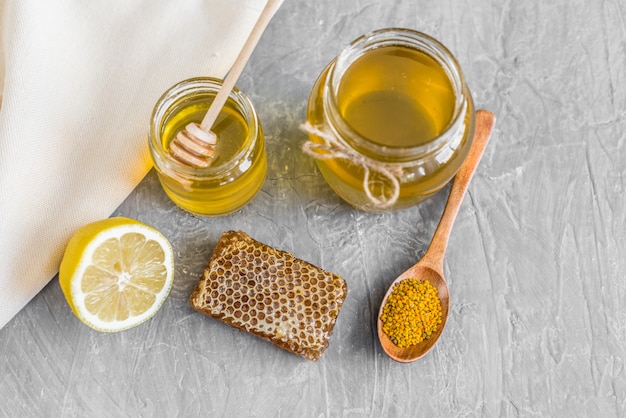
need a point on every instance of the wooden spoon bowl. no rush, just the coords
(416, 351)
(430, 267)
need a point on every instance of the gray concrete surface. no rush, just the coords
(536, 263)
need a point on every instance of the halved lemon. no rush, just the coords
(116, 273)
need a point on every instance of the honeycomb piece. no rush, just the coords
(271, 294)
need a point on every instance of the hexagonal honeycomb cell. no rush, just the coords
(270, 293)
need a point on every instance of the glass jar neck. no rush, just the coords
(452, 132)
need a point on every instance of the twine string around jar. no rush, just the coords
(332, 148)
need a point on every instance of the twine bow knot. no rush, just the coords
(332, 148)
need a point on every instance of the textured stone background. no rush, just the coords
(536, 263)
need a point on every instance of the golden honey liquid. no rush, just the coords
(397, 97)
(217, 194)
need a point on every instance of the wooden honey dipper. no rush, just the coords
(195, 145)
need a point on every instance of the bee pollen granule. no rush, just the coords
(412, 312)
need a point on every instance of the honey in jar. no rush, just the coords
(390, 120)
(239, 167)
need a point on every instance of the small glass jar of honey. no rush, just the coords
(239, 167)
(390, 120)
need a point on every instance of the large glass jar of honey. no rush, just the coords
(390, 120)
(239, 167)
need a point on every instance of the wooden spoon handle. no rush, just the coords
(240, 62)
(485, 122)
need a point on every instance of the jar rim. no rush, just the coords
(170, 102)
(396, 37)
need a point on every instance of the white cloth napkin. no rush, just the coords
(79, 80)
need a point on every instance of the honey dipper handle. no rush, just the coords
(240, 62)
(485, 122)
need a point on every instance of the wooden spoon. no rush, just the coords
(195, 145)
(430, 267)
